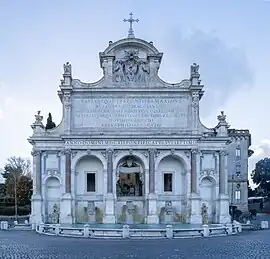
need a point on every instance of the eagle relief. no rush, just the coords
(131, 70)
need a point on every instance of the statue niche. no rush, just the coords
(129, 178)
(131, 70)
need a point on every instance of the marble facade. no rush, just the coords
(138, 138)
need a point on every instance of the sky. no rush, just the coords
(229, 40)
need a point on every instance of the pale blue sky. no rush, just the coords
(229, 39)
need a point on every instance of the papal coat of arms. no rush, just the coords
(130, 69)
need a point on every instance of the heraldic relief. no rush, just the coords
(131, 70)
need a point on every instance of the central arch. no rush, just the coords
(130, 187)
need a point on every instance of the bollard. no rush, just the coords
(169, 231)
(33, 226)
(86, 230)
(57, 229)
(229, 229)
(26, 222)
(2, 225)
(41, 228)
(205, 230)
(125, 233)
(15, 222)
(5, 225)
(264, 224)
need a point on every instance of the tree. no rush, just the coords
(251, 192)
(50, 124)
(261, 175)
(18, 182)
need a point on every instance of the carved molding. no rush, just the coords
(67, 100)
(52, 172)
(195, 99)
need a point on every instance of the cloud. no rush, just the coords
(224, 69)
(1, 114)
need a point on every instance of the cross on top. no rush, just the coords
(131, 20)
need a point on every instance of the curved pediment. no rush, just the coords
(114, 47)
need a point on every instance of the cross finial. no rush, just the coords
(131, 20)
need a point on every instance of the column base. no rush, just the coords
(109, 215)
(152, 217)
(66, 209)
(224, 216)
(36, 209)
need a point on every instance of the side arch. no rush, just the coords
(82, 154)
(182, 157)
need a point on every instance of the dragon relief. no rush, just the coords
(130, 70)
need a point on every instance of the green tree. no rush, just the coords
(50, 124)
(18, 182)
(261, 175)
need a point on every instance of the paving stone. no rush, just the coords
(29, 245)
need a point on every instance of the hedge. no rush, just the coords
(10, 211)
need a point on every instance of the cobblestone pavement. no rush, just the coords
(28, 245)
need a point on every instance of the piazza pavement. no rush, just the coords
(15, 244)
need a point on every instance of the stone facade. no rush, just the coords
(239, 153)
(131, 148)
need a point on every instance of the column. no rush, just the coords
(152, 171)
(36, 208)
(224, 216)
(152, 213)
(195, 200)
(37, 164)
(222, 178)
(194, 170)
(66, 200)
(68, 171)
(110, 171)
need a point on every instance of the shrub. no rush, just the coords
(10, 211)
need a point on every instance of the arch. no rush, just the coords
(135, 154)
(178, 155)
(208, 196)
(83, 154)
(211, 178)
(52, 182)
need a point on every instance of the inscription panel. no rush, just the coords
(135, 112)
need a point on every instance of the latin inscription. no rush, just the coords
(130, 112)
(125, 142)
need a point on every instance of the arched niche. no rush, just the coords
(207, 190)
(130, 177)
(171, 176)
(89, 175)
(52, 196)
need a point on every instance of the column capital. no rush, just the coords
(36, 152)
(195, 151)
(223, 152)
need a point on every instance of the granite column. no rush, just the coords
(109, 215)
(152, 171)
(110, 171)
(66, 200)
(195, 200)
(152, 216)
(224, 216)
